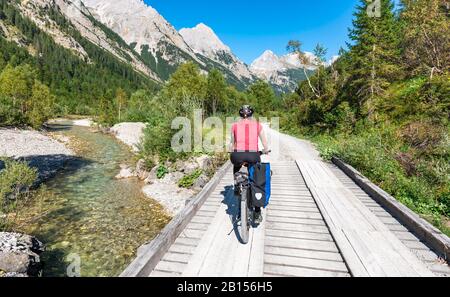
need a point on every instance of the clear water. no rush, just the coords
(90, 214)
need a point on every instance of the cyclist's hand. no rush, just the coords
(266, 151)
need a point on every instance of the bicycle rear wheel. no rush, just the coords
(245, 226)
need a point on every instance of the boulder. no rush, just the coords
(19, 255)
(189, 167)
(125, 172)
(172, 178)
(201, 182)
(204, 162)
(141, 170)
(129, 133)
(179, 166)
(152, 177)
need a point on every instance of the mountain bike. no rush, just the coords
(246, 209)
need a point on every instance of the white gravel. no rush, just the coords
(41, 151)
(129, 133)
(170, 196)
(16, 143)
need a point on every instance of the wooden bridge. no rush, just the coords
(323, 220)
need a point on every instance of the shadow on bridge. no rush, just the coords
(232, 203)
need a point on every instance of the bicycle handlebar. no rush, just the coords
(262, 153)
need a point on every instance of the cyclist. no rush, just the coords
(245, 135)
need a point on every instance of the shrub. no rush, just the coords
(422, 135)
(161, 172)
(188, 180)
(16, 180)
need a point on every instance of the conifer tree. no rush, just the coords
(374, 52)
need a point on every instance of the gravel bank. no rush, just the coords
(41, 151)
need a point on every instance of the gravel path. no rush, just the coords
(288, 148)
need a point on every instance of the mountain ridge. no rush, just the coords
(135, 33)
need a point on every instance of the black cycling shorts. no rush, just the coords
(238, 158)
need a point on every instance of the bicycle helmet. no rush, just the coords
(246, 111)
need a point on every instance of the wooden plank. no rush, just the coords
(176, 267)
(303, 253)
(159, 273)
(299, 235)
(405, 236)
(291, 198)
(427, 256)
(209, 208)
(177, 257)
(312, 209)
(300, 272)
(201, 219)
(312, 222)
(442, 269)
(305, 263)
(296, 227)
(197, 226)
(294, 214)
(416, 245)
(190, 233)
(186, 249)
(204, 213)
(186, 241)
(301, 243)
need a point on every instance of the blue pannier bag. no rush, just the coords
(260, 177)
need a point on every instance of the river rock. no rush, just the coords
(19, 255)
(125, 172)
(152, 177)
(172, 178)
(179, 166)
(204, 162)
(190, 167)
(141, 170)
(201, 182)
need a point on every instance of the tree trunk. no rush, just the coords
(310, 84)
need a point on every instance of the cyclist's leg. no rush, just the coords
(237, 168)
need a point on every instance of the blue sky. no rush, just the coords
(249, 26)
